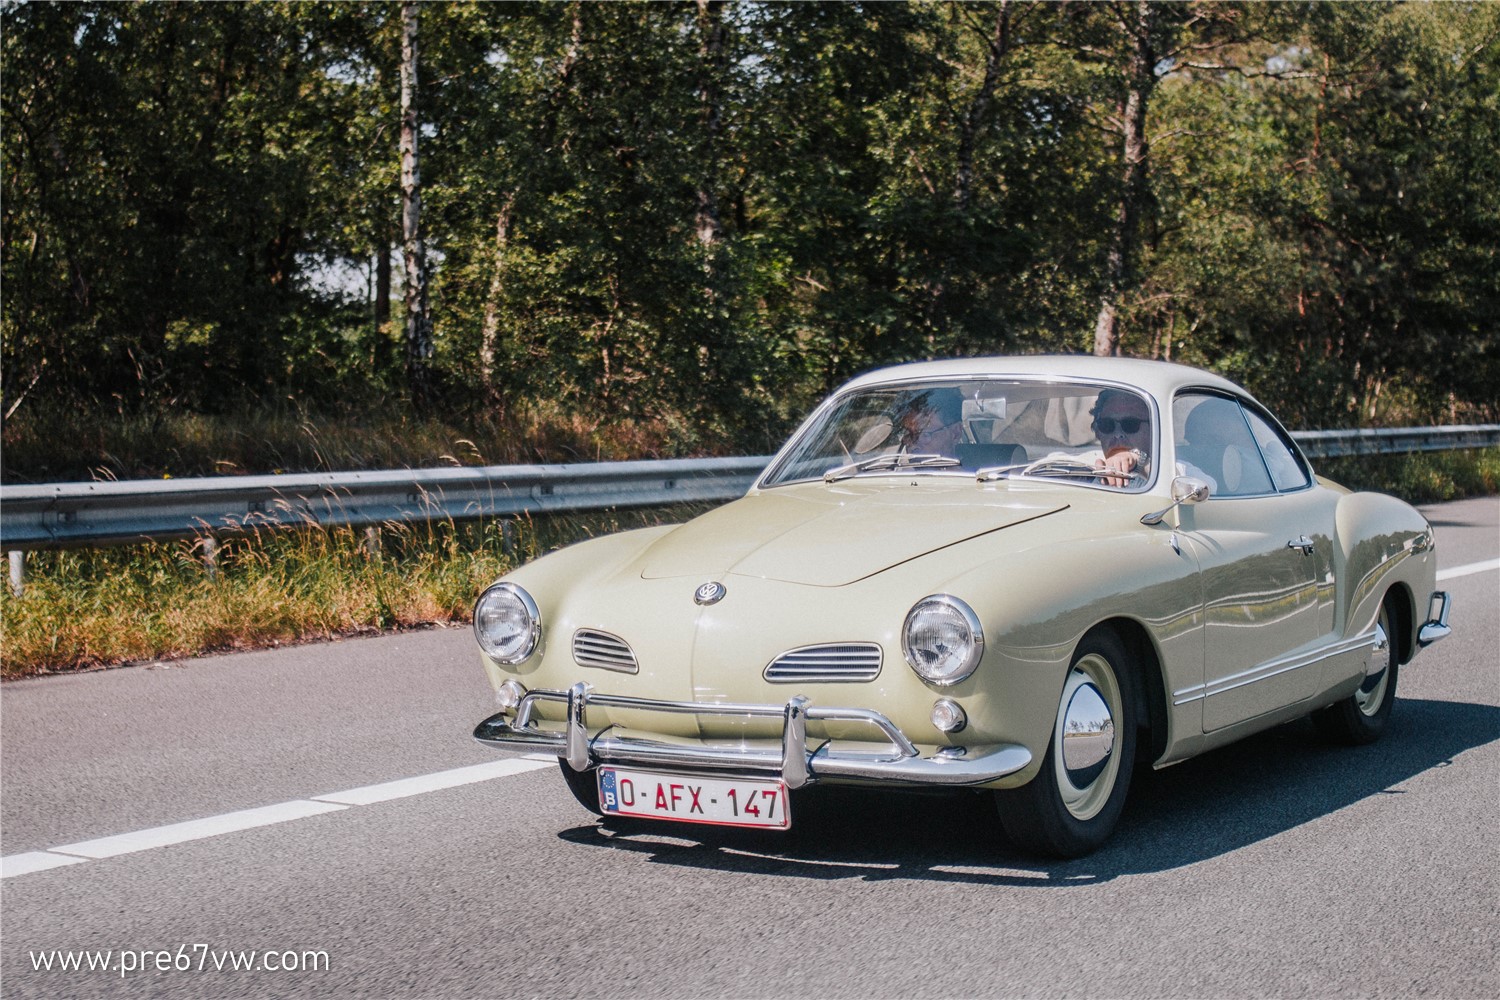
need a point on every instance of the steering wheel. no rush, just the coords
(1059, 466)
(1072, 468)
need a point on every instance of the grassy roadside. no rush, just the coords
(1420, 477)
(86, 609)
(91, 608)
(50, 444)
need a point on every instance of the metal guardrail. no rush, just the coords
(1396, 440)
(62, 515)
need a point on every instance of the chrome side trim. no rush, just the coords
(829, 662)
(1188, 694)
(1436, 626)
(1271, 668)
(902, 763)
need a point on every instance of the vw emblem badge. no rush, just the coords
(709, 593)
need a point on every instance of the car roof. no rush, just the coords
(1157, 378)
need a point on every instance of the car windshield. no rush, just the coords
(992, 428)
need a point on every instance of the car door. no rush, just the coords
(1264, 556)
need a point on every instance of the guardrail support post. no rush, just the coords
(508, 537)
(211, 556)
(17, 572)
(372, 543)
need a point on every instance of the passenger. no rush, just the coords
(933, 424)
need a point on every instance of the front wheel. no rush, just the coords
(1361, 717)
(1070, 808)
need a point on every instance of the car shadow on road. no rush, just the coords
(1200, 809)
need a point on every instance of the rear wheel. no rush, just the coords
(1361, 717)
(1070, 808)
(584, 785)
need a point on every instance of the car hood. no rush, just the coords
(831, 536)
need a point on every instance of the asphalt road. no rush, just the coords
(256, 792)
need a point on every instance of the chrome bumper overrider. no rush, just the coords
(1436, 626)
(794, 764)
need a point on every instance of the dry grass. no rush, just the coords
(96, 608)
(77, 444)
(1421, 477)
(84, 609)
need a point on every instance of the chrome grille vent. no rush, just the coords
(593, 648)
(839, 661)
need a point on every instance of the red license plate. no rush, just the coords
(755, 802)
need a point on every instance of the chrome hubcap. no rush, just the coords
(1085, 761)
(1371, 693)
(1088, 737)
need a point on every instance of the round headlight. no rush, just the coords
(507, 623)
(942, 639)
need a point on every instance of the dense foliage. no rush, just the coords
(705, 214)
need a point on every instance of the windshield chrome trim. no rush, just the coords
(763, 481)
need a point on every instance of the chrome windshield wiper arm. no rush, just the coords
(994, 472)
(892, 460)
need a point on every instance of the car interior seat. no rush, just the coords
(985, 456)
(1207, 447)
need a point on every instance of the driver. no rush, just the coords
(1123, 425)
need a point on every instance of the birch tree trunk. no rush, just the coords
(419, 345)
(710, 67)
(968, 139)
(1135, 194)
(489, 334)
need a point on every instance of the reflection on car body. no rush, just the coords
(1018, 575)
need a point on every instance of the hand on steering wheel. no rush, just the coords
(1122, 467)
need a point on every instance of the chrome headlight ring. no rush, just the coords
(507, 624)
(942, 639)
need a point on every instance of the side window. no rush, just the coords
(1287, 471)
(1214, 440)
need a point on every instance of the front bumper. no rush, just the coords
(902, 764)
(1436, 627)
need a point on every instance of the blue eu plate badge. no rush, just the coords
(609, 799)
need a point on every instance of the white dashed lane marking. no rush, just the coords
(1469, 569)
(197, 829)
(249, 819)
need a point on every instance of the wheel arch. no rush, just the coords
(1403, 607)
(1151, 690)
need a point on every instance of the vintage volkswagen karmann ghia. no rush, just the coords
(1018, 575)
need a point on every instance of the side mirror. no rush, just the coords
(1185, 489)
(1190, 489)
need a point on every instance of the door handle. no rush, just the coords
(1301, 542)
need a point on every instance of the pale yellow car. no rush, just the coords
(1018, 575)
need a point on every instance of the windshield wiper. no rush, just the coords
(892, 460)
(994, 472)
